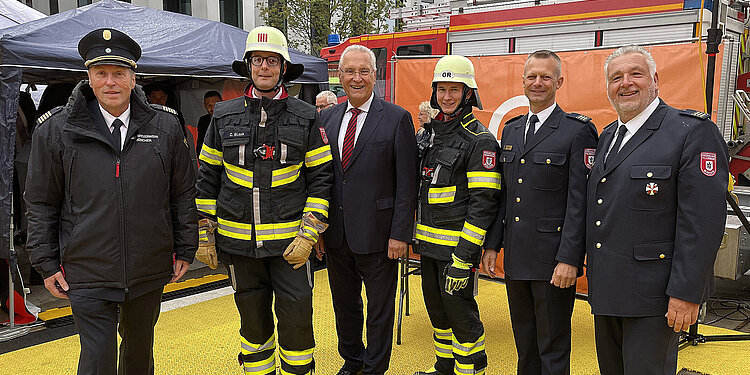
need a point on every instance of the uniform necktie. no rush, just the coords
(530, 131)
(116, 133)
(618, 142)
(351, 130)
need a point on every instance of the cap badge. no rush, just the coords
(262, 37)
(107, 35)
(108, 50)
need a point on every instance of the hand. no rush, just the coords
(396, 248)
(564, 275)
(320, 248)
(180, 267)
(457, 275)
(681, 314)
(488, 261)
(57, 285)
(298, 252)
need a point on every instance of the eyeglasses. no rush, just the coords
(270, 60)
(352, 72)
(324, 106)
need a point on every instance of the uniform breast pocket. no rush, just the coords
(236, 142)
(549, 170)
(651, 187)
(506, 158)
(291, 145)
(446, 164)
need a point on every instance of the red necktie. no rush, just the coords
(351, 130)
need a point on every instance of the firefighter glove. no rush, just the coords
(206, 243)
(299, 251)
(457, 275)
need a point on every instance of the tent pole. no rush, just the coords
(13, 331)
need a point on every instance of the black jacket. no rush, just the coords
(655, 215)
(263, 163)
(110, 219)
(460, 189)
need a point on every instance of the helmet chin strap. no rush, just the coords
(278, 84)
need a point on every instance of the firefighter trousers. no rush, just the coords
(258, 284)
(458, 333)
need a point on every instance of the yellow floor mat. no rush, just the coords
(203, 339)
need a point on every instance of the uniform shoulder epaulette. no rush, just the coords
(48, 114)
(301, 108)
(164, 108)
(514, 119)
(611, 124)
(229, 107)
(579, 117)
(694, 113)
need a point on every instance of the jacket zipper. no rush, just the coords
(122, 226)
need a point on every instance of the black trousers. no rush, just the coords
(97, 323)
(346, 273)
(540, 314)
(455, 319)
(635, 346)
(272, 282)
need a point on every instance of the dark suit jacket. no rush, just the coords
(550, 202)
(375, 197)
(656, 214)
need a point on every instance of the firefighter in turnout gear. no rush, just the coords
(265, 178)
(458, 200)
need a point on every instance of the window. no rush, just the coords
(381, 58)
(230, 12)
(178, 6)
(53, 7)
(82, 3)
(414, 50)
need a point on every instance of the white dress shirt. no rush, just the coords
(633, 125)
(543, 115)
(124, 117)
(360, 121)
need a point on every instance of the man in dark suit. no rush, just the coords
(210, 98)
(546, 157)
(372, 211)
(655, 218)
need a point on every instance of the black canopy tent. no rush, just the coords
(174, 45)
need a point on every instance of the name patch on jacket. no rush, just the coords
(235, 134)
(589, 155)
(148, 138)
(489, 158)
(708, 163)
(323, 135)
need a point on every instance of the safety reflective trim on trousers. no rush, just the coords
(438, 236)
(467, 349)
(316, 205)
(206, 205)
(239, 176)
(441, 194)
(210, 155)
(250, 348)
(286, 175)
(277, 231)
(297, 357)
(473, 233)
(443, 334)
(466, 368)
(284, 372)
(443, 350)
(318, 156)
(233, 229)
(489, 180)
(262, 367)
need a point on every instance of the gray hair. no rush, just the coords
(625, 50)
(546, 54)
(359, 48)
(329, 95)
(427, 108)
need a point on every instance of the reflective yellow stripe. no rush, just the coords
(206, 205)
(210, 155)
(285, 175)
(239, 176)
(490, 180)
(318, 156)
(441, 195)
(316, 205)
(473, 233)
(284, 372)
(443, 350)
(438, 236)
(463, 368)
(443, 334)
(297, 357)
(250, 348)
(262, 367)
(277, 231)
(203, 235)
(233, 229)
(467, 349)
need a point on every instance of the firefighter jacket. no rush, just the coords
(459, 190)
(110, 218)
(263, 163)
